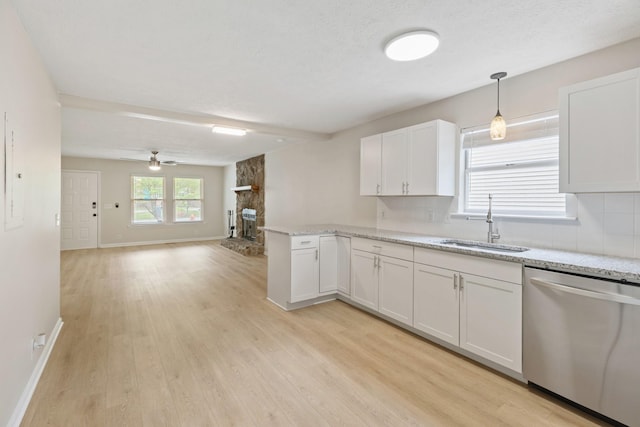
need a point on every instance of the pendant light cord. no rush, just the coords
(498, 96)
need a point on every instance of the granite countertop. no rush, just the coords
(626, 269)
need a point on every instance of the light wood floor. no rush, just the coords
(182, 335)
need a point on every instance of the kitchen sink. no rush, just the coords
(483, 245)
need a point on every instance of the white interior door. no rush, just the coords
(79, 219)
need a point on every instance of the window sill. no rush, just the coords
(516, 218)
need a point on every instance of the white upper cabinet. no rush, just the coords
(413, 161)
(394, 162)
(370, 165)
(431, 159)
(600, 134)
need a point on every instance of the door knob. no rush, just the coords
(95, 214)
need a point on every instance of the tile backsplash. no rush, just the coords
(607, 223)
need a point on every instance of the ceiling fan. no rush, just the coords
(154, 163)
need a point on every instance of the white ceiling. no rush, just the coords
(291, 70)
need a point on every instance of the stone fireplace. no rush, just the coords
(249, 214)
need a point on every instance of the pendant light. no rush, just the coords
(498, 128)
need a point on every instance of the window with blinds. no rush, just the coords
(521, 171)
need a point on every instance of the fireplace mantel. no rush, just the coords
(252, 187)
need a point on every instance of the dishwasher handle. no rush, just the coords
(622, 299)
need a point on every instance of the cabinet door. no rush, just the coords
(364, 279)
(396, 288)
(304, 274)
(435, 305)
(422, 159)
(600, 134)
(370, 165)
(394, 162)
(344, 265)
(431, 159)
(491, 319)
(328, 264)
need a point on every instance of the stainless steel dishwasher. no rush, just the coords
(581, 340)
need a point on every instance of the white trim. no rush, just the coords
(160, 242)
(27, 394)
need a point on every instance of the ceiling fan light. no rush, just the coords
(229, 131)
(154, 165)
(498, 129)
(412, 45)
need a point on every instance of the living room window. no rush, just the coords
(521, 172)
(187, 199)
(147, 199)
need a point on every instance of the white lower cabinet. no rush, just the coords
(344, 264)
(395, 288)
(491, 319)
(380, 282)
(436, 307)
(305, 270)
(481, 312)
(364, 278)
(334, 264)
(302, 268)
(469, 302)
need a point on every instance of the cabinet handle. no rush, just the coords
(407, 188)
(376, 246)
(461, 283)
(379, 263)
(403, 185)
(377, 188)
(455, 281)
(305, 242)
(375, 261)
(316, 254)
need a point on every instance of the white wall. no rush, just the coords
(318, 182)
(29, 255)
(115, 224)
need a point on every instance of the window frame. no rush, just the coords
(163, 200)
(530, 133)
(175, 200)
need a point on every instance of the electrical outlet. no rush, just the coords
(37, 343)
(430, 215)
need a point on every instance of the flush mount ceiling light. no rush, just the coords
(412, 45)
(498, 128)
(229, 131)
(154, 163)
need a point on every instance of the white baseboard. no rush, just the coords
(23, 403)
(160, 242)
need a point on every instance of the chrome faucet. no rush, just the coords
(491, 236)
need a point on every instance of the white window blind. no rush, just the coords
(521, 171)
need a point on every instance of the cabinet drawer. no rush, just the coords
(378, 247)
(302, 242)
(493, 268)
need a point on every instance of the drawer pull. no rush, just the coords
(305, 242)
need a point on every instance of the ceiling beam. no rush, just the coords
(71, 101)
